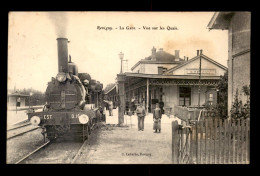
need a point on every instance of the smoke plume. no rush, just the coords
(59, 20)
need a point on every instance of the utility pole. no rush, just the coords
(199, 79)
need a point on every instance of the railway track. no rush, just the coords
(20, 130)
(58, 150)
(20, 126)
(79, 152)
(35, 151)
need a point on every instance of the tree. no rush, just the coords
(222, 104)
(37, 97)
(238, 110)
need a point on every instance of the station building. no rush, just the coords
(169, 80)
(16, 99)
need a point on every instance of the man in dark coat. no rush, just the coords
(157, 115)
(140, 111)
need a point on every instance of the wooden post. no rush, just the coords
(201, 138)
(197, 143)
(238, 140)
(233, 142)
(210, 139)
(147, 94)
(16, 105)
(225, 137)
(191, 144)
(215, 141)
(219, 140)
(229, 140)
(175, 138)
(242, 140)
(206, 131)
(248, 135)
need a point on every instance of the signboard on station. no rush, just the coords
(195, 71)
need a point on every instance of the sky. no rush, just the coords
(32, 44)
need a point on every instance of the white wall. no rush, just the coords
(153, 68)
(171, 95)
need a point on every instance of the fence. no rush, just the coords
(210, 140)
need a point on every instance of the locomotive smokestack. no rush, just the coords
(63, 55)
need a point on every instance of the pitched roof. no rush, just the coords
(193, 59)
(110, 89)
(220, 20)
(162, 57)
(17, 94)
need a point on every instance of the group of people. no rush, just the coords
(141, 113)
(157, 115)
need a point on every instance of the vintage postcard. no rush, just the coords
(128, 87)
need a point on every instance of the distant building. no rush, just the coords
(112, 95)
(16, 99)
(172, 81)
(238, 25)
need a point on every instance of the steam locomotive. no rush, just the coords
(72, 101)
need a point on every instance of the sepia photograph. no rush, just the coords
(107, 87)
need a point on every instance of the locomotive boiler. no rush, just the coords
(72, 101)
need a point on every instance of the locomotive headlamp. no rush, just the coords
(61, 77)
(83, 118)
(35, 120)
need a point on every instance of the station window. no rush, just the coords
(185, 96)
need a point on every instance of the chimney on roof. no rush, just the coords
(201, 52)
(153, 53)
(177, 55)
(198, 52)
(187, 58)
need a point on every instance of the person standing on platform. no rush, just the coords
(157, 115)
(140, 111)
(110, 106)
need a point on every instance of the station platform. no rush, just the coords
(127, 145)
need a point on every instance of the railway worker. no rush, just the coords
(126, 108)
(110, 106)
(157, 115)
(140, 111)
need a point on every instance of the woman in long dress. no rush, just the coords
(157, 115)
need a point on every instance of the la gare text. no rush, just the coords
(129, 28)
